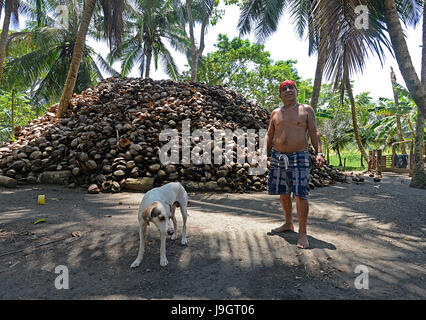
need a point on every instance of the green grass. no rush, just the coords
(353, 161)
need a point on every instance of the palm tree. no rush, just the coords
(383, 17)
(39, 11)
(392, 20)
(76, 58)
(416, 86)
(398, 117)
(203, 10)
(1, 6)
(35, 9)
(11, 9)
(40, 59)
(388, 113)
(349, 46)
(149, 24)
(335, 131)
(358, 140)
(265, 16)
(113, 24)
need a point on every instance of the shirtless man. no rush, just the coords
(289, 168)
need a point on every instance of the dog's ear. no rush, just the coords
(155, 212)
(146, 214)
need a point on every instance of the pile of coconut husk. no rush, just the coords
(110, 139)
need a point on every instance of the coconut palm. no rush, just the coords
(113, 20)
(384, 17)
(40, 59)
(39, 56)
(39, 12)
(416, 86)
(398, 117)
(336, 133)
(151, 24)
(414, 9)
(388, 112)
(348, 46)
(199, 10)
(10, 11)
(264, 16)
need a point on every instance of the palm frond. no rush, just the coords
(261, 15)
(410, 11)
(113, 20)
(105, 66)
(347, 46)
(168, 63)
(301, 13)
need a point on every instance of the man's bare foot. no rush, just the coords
(285, 227)
(303, 242)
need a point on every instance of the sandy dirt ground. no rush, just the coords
(231, 251)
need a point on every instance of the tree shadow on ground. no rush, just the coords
(219, 262)
(291, 237)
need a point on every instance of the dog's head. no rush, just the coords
(157, 212)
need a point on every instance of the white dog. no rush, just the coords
(158, 206)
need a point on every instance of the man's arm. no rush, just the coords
(267, 142)
(315, 135)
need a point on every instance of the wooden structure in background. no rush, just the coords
(386, 163)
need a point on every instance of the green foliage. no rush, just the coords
(353, 159)
(334, 119)
(149, 27)
(39, 57)
(23, 113)
(384, 115)
(248, 69)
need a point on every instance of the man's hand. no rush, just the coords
(320, 160)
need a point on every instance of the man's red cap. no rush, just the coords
(287, 83)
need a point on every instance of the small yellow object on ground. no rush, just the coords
(41, 199)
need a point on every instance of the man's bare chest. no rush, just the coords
(296, 118)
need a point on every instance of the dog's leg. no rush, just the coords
(175, 234)
(163, 258)
(142, 237)
(184, 212)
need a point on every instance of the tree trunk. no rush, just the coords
(4, 34)
(354, 120)
(328, 152)
(142, 65)
(192, 38)
(38, 12)
(338, 154)
(398, 117)
(415, 87)
(76, 59)
(12, 132)
(195, 53)
(413, 133)
(148, 60)
(322, 57)
(1, 7)
(423, 75)
(419, 177)
(400, 137)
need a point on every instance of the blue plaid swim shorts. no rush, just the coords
(289, 173)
